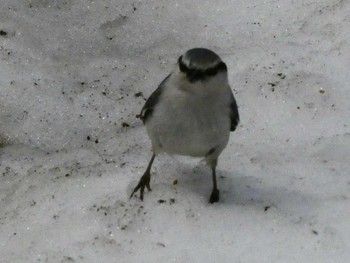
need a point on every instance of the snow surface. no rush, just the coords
(71, 149)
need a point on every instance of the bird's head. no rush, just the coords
(201, 64)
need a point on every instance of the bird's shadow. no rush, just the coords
(257, 192)
(247, 190)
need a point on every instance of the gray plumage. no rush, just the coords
(191, 112)
(152, 101)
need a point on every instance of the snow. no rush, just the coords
(71, 149)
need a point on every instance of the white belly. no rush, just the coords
(184, 126)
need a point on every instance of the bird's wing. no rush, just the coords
(234, 115)
(152, 101)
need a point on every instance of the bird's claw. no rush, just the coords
(144, 182)
(214, 197)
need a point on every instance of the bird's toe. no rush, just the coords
(214, 197)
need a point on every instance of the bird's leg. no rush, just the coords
(144, 180)
(214, 197)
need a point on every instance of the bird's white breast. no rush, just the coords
(191, 119)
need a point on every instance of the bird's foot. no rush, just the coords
(214, 197)
(144, 182)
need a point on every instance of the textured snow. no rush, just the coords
(74, 74)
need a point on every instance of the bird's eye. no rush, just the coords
(222, 66)
(211, 71)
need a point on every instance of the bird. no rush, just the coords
(191, 113)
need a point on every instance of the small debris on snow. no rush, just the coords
(160, 244)
(281, 75)
(138, 94)
(3, 33)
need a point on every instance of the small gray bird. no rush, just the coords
(191, 113)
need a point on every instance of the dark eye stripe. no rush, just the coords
(199, 74)
(183, 67)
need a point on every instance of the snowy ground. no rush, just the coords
(71, 149)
